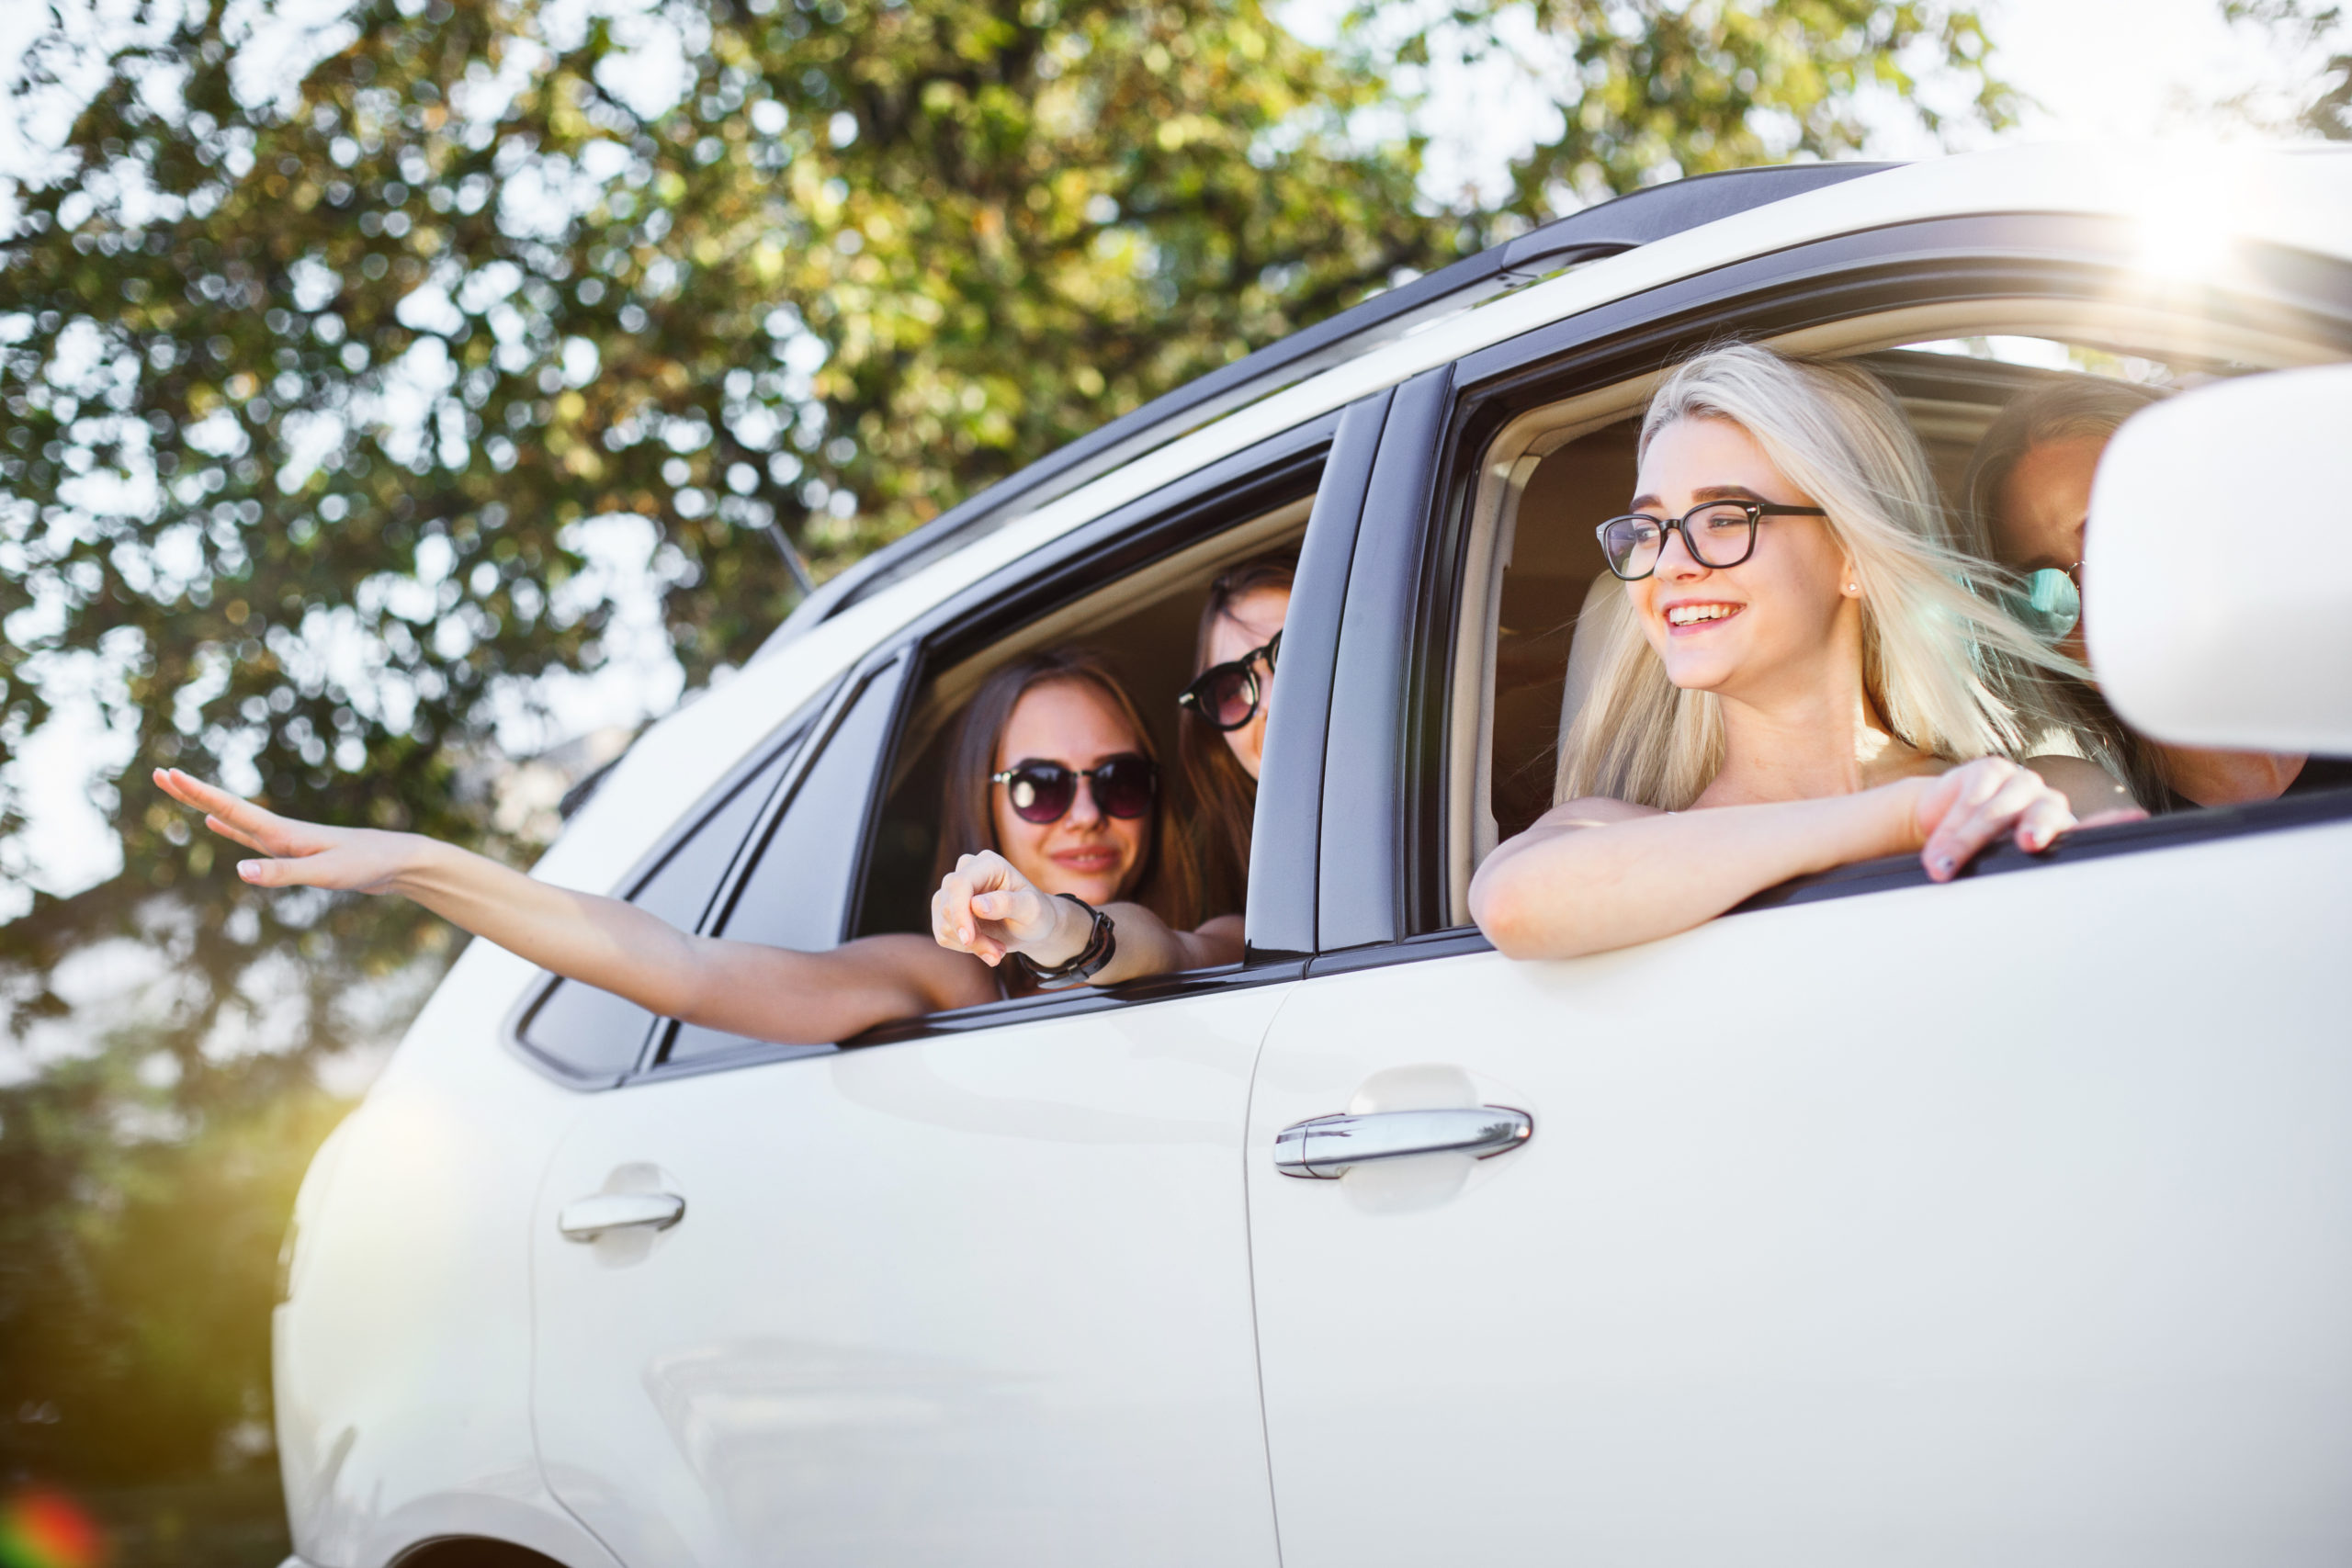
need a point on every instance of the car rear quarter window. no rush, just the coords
(595, 1036)
(794, 889)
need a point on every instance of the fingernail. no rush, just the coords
(1943, 862)
(249, 869)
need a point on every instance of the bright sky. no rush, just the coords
(2099, 69)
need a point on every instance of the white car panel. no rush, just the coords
(973, 1299)
(402, 1359)
(1998, 1222)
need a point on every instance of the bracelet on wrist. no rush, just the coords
(1102, 946)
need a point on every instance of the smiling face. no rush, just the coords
(1739, 630)
(1248, 624)
(1086, 852)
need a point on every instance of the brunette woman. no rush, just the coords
(984, 905)
(1798, 675)
(1064, 707)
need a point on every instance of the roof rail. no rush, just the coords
(1605, 229)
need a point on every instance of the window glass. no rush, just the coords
(593, 1033)
(794, 894)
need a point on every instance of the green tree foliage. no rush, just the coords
(2301, 28)
(311, 378)
(137, 1239)
(1637, 90)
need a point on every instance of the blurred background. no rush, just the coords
(403, 403)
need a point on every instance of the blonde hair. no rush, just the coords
(1947, 670)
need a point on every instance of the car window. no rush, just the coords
(594, 1034)
(798, 866)
(1142, 617)
(1534, 591)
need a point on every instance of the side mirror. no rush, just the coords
(2217, 579)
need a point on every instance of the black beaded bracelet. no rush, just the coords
(1102, 946)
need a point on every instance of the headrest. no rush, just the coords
(1604, 606)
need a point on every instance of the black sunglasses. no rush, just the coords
(1123, 786)
(1228, 694)
(1718, 533)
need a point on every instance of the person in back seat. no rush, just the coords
(1796, 675)
(2028, 489)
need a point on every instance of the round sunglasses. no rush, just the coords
(1228, 694)
(1042, 791)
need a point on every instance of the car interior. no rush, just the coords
(1145, 624)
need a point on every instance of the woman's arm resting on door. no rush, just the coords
(1597, 875)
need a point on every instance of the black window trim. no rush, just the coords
(1901, 266)
(887, 662)
(813, 718)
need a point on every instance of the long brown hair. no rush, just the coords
(1224, 797)
(2080, 408)
(1163, 879)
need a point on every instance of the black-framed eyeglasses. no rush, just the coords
(1718, 533)
(1123, 786)
(1228, 694)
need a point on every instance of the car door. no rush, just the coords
(975, 1294)
(2003, 1220)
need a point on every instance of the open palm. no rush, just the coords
(300, 854)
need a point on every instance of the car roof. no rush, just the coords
(1607, 229)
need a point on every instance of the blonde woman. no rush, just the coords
(1797, 676)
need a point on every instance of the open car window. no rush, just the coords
(1144, 622)
(1536, 592)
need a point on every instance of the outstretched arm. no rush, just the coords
(1597, 875)
(987, 909)
(767, 993)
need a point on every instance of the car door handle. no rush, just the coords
(1329, 1145)
(585, 1219)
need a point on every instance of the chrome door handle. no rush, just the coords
(1329, 1145)
(585, 1219)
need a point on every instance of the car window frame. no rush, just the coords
(1382, 878)
(1133, 538)
(889, 664)
(812, 718)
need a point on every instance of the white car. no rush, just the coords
(2003, 1222)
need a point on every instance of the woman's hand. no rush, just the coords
(1958, 813)
(302, 854)
(988, 910)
